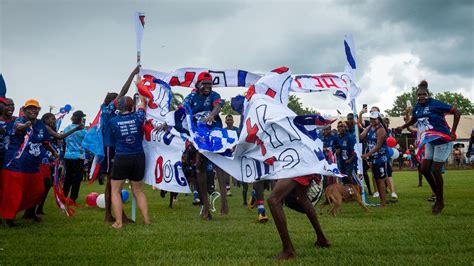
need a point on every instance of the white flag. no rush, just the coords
(139, 27)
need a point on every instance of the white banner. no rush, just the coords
(163, 150)
(339, 84)
(271, 146)
(163, 168)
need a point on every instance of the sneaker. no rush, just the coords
(229, 193)
(431, 198)
(376, 195)
(196, 201)
(262, 218)
(394, 195)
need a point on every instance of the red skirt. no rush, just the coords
(20, 191)
(306, 180)
(45, 171)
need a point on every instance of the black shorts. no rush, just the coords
(379, 170)
(131, 167)
(389, 169)
(106, 164)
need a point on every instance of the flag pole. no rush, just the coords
(139, 21)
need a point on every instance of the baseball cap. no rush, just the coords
(32, 102)
(204, 76)
(78, 114)
(374, 114)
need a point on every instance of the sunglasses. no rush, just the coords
(206, 83)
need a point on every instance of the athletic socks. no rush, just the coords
(261, 207)
(195, 195)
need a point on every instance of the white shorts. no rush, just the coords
(438, 153)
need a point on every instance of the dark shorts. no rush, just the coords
(379, 170)
(106, 164)
(131, 167)
(389, 169)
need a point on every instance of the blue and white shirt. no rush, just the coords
(26, 145)
(379, 156)
(431, 116)
(127, 132)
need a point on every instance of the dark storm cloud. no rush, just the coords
(440, 32)
(73, 48)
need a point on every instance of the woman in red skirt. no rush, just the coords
(22, 185)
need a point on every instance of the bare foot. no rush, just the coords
(109, 219)
(205, 212)
(322, 243)
(36, 219)
(438, 207)
(116, 225)
(225, 210)
(207, 217)
(286, 255)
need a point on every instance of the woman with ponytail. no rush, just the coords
(435, 138)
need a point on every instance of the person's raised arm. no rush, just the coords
(364, 133)
(143, 102)
(22, 126)
(57, 135)
(126, 86)
(359, 118)
(407, 124)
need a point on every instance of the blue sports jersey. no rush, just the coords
(346, 144)
(381, 155)
(107, 113)
(199, 103)
(127, 132)
(329, 142)
(74, 148)
(29, 154)
(47, 156)
(5, 133)
(430, 116)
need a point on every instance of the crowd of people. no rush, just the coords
(29, 145)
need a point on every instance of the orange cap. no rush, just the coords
(32, 102)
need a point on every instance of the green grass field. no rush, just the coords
(403, 233)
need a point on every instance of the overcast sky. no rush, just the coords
(73, 52)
